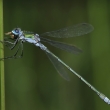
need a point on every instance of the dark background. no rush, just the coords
(32, 83)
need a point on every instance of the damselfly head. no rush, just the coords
(14, 33)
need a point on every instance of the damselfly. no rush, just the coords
(19, 37)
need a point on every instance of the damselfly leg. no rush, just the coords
(11, 46)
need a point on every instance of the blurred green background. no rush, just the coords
(32, 83)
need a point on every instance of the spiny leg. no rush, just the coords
(21, 49)
(21, 55)
(15, 43)
(15, 55)
(12, 44)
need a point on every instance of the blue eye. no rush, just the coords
(16, 31)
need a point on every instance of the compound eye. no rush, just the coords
(17, 30)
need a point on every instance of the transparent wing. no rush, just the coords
(69, 48)
(58, 66)
(72, 31)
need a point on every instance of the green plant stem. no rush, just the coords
(1, 56)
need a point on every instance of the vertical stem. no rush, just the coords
(1, 56)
